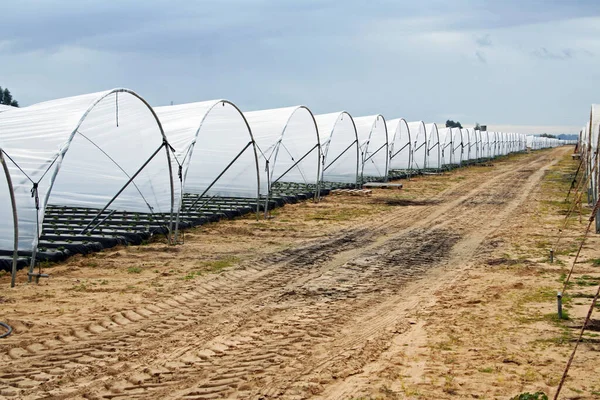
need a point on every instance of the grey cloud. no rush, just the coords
(481, 56)
(484, 41)
(564, 54)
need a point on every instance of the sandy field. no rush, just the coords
(440, 290)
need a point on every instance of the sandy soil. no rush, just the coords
(440, 290)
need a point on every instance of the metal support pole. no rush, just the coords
(295, 164)
(122, 189)
(338, 157)
(559, 305)
(15, 220)
(551, 256)
(220, 175)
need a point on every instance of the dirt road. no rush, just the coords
(307, 321)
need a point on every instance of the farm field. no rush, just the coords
(440, 290)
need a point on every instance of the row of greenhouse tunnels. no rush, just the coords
(588, 147)
(93, 171)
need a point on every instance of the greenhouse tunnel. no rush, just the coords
(494, 144)
(418, 134)
(484, 147)
(472, 143)
(215, 149)
(503, 144)
(479, 136)
(339, 150)
(400, 148)
(594, 160)
(458, 145)
(373, 139)
(289, 153)
(77, 184)
(446, 147)
(434, 162)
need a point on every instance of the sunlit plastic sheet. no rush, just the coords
(81, 152)
(400, 145)
(433, 147)
(503, 144)
(373, 139)
(4, 107)
(472, 144)
(288, 145)
(214, 146)
(497, 144)
(466, 144)
(531, 143)
(458, 145)
(418, 135)
(594, 160)
(446, 146)
(339, 147)
(485, 144)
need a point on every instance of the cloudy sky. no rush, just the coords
(527, 64)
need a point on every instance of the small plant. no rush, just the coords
(134, 270)
(530, 396)
(82, 287)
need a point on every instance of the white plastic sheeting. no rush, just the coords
(4, 107)
(472, 143)
(418, 135)
(458, 145)
(373, 139)
(488, 141)
(339, 147)
(591, 158)
(492, 144)
(446, 146)
(288, 145)
(400, 144)
(433, 147)
(214, 146)
(82, 151)
(503, 143)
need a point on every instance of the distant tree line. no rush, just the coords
(548, 135)
(6, 98)
(452, 124)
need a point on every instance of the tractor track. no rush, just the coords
(285, 326)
